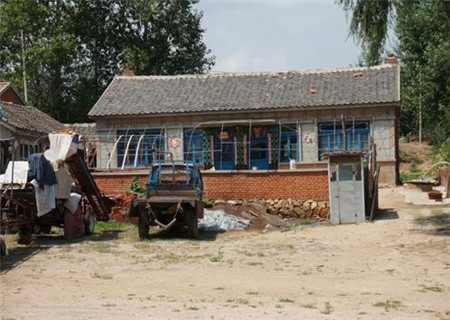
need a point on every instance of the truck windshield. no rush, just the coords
(171, 174)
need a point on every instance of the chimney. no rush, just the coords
(128, 72)
(391, 59)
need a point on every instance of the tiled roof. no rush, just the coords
(89, 130)
(28, 118)
(139, 95)
(3, 86)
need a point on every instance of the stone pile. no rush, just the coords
(286, 208)
(294, 208)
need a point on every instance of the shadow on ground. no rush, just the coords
(437, 224)
(17, 256)
(176, 234)
(21, 253)
(386, 214)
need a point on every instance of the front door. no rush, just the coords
(346, 193)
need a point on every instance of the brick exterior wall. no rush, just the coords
(266, 185)
(295, 184)
(114, 183)
(10, 96)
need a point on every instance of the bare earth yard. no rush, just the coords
(395, 268)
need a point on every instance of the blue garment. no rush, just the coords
(41, 170)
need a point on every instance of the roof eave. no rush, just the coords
(208, 112)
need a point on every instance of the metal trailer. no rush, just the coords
(18, 211)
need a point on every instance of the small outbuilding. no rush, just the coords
(346, 185)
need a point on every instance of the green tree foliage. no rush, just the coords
(369, 25)
(73, 48)
(423, 32)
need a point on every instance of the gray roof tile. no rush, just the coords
(29, 118)
(140, 95)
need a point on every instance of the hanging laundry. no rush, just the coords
(41, 170)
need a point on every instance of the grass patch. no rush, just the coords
(193, 308)
(436, 219)
(217, 258)
(389, 304)
(107, 305)
(406, 175)
(308, 306)
(432, 288)
(255, 263)
(306, 221)
(103, 276)
(109, 226)
(242, 301)
(252, 293)
(286, 300)
(327, 308)
(101, 247)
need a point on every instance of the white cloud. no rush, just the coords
(243, 59)
(277, 35)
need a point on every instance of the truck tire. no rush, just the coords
(192, 224)
(88, 222)
(143, 226)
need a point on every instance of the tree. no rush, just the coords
(168, 38)
(422, 29)
(369, 25)
(73, 48)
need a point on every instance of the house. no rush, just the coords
(252, 131)
(23, 129)
(9, 94)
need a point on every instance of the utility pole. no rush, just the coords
(420, 118)
(25, 89)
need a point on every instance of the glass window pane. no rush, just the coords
(345, 172)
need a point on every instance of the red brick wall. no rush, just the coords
(10, 96)
(240, 185)
(113, 182)
(267, 185)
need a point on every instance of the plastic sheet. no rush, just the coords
(219, 221)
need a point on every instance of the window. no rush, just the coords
(140, 147)
(193, 145)
(289, 143)
(224, 148)
(25, 151)
(331, 136)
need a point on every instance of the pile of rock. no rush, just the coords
(285, 208)
(294, 208)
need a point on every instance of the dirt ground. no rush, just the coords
(397, 267)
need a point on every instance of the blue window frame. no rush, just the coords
(193, 145)
(147, 142)
(289, 143)
(224, 149)
(331, 136)
(259, 153)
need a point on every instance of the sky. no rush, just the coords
(277, 35)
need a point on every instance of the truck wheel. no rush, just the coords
(88, 223)
(143, 225)
(192, 224)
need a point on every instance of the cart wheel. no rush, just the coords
(89, 222)
(192, 224)
(144, 225)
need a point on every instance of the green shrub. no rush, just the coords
(136, 188)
